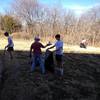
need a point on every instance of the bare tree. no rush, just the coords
(91, 23)
(44, 20)
(26, 10)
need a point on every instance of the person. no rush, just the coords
(59, 54)
(10, 46)
(83, 43)
(37, 58)
(49, 61)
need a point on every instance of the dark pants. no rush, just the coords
(10, 49)
(82, 45)
(59, 68)
(58, 58)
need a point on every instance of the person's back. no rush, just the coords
(83, 41)
(36, 46)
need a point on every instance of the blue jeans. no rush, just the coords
(37, 59)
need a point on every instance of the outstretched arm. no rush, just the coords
(45, 45)
(51, 47)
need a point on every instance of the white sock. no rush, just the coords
(62, 71)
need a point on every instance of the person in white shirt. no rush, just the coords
(83, 43)
(59, 53)
(10, 46)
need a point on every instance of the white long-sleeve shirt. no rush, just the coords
(10, 42)
(59, 47)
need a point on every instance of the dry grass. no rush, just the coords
(77, 49)
(24, 45)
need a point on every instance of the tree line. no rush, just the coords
(30, 17)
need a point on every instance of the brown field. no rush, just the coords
(80, 81)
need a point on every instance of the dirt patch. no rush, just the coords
(81, 79)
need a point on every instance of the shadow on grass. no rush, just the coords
(81, 79)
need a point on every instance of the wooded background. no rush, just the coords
(28, 18)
